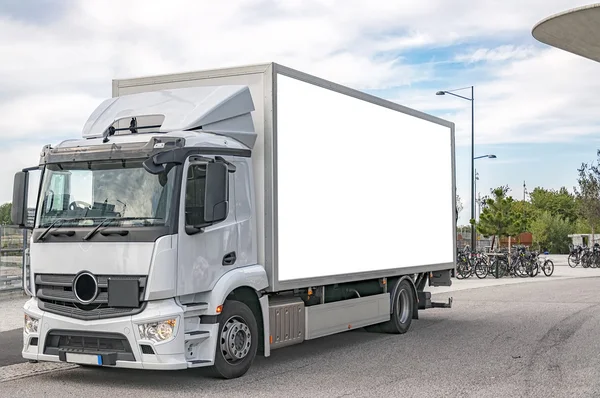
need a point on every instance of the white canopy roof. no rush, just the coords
(576, 31)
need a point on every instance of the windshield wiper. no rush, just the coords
(108, 220)
(95, 230)
(43, 234)
(58, 221)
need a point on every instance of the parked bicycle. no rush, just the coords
(546, 264)
(575, 253)
(521, 263)
(590, 258)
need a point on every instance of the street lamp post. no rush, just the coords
(472, 99)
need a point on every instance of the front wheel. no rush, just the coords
(585, 260)
(463, 270)
(499, 268)
(573, 260)
(237, 340)
(548, 267)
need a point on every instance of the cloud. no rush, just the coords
(501, 53)
(16, 157)
(58, 61)
(546, 96)
(45, 115)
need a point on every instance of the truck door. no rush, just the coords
(203, 256)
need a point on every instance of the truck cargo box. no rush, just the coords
(348, 186)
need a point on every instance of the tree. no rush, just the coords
(459, 206)
(588, 194)
(560, 203)
(498, 216)
(5, 210)
(551, 232)
(524, 214)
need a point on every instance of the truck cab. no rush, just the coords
(133, 224)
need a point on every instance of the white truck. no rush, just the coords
(205, 218)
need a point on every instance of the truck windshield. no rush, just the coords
(85, 193)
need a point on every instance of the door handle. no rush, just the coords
(229, 258)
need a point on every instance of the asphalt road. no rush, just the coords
(519, 340)
(12, 344)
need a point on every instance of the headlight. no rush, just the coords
(158, 331)
(31, 324)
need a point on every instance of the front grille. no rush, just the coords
(88, 343)
(55, 294)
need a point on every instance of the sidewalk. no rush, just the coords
(561, 271)
(11, 313)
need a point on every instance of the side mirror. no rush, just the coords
(24, 200)
(18, 213)
(216, 204)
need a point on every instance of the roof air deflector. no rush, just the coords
(224, 110)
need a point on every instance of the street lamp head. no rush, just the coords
(440, 93)
(492, 156)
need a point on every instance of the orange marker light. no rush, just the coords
(271, 339)
(219, 309)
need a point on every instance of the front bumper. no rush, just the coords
(106, 334)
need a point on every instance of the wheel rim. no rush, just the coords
(236, 339)
(403, 305)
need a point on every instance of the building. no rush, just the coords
(584, 239)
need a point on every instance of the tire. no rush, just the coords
(585, 260)
(521, 270)
(533, 270)
(499, 268)
(462, 271)
(481, 269)
(401, 317)
(548, 267)
(237, 328)
(572, 260)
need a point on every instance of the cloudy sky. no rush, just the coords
(535, 106)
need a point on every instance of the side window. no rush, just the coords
(194, 195)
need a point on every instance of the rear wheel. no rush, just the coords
(402, 312)
(533, 270)
(237, 340)
(481, 269)
(520, 269)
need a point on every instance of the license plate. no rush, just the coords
(86, 359)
